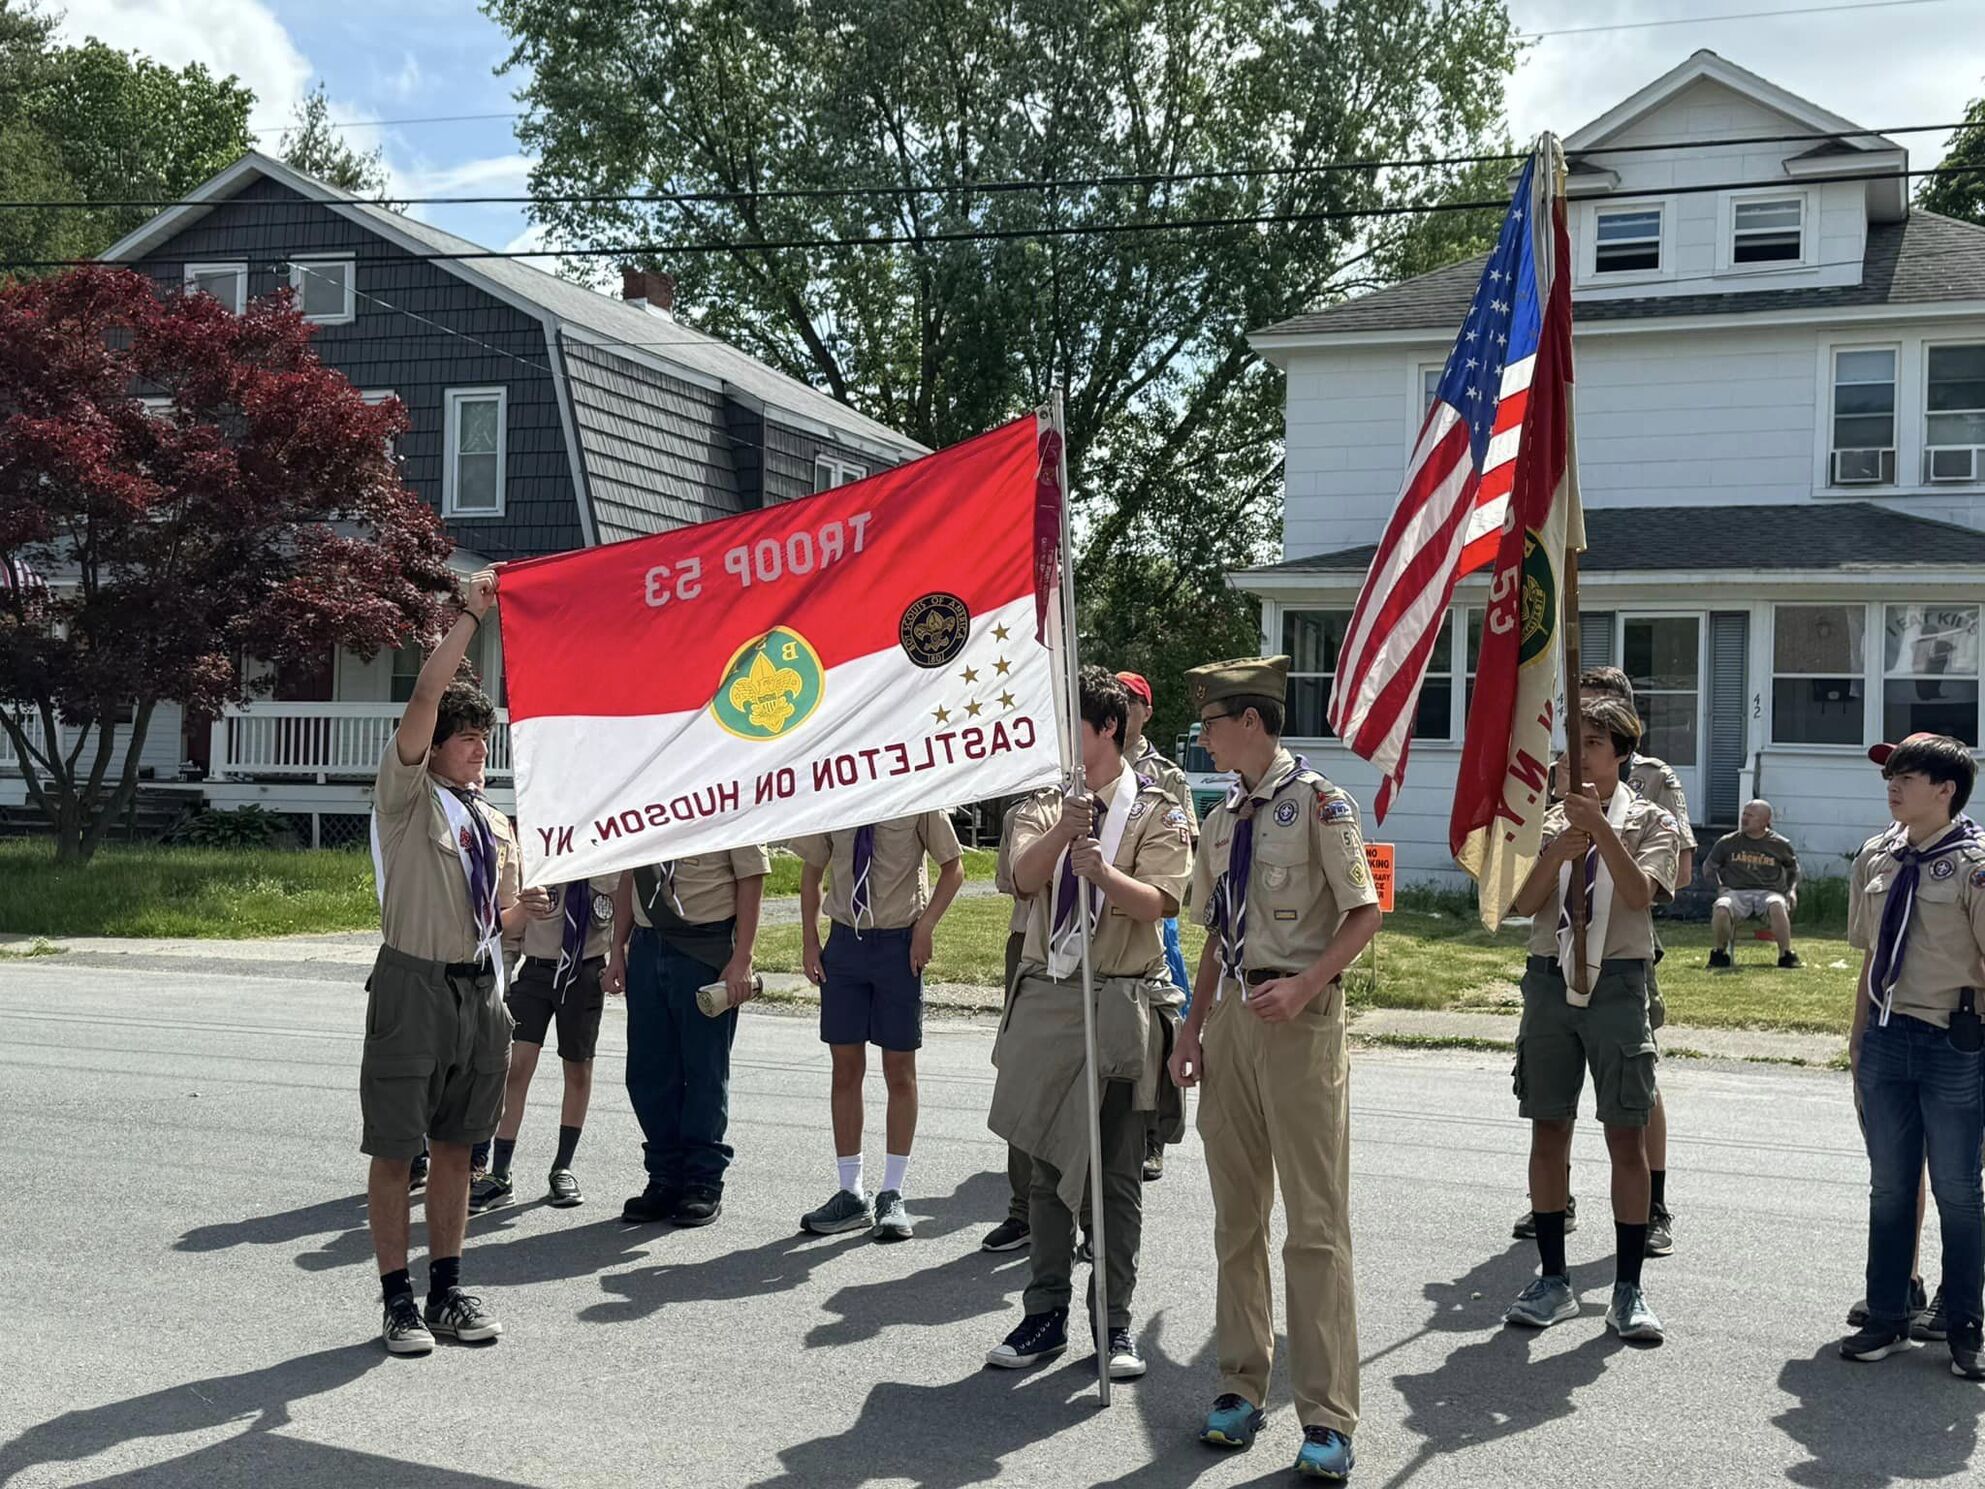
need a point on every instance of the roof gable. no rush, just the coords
(1706, 66)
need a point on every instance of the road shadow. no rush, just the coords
(1863, 1426)
(295, 1463)
(259, 1398)
(332, 1215)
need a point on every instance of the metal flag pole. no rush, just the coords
(1099, 1267)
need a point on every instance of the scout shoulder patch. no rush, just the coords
(1334, 806)
(1978, 878)
(1175, 817)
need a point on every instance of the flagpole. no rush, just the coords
(1098, 1268)
(1575, 769)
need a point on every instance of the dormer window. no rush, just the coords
(1627, 241)
(1768, 230)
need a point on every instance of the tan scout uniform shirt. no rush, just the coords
(1656, 780)
(1946, 927)
(1157, 769)
(1308, 869)
(706, 884)
(546, 938)
(1003, 870)
(425, 910)
(1155, 850)
(1653, 836)
(899, 886)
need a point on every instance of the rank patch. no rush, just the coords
(1356, 872)
(1285, 813)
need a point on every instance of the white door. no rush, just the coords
(1662, 654)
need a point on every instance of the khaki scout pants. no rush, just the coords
(1275, 1102)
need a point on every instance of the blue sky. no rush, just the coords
(1880, 63)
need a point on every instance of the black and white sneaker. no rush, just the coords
(1660, 1232)
(417, 1174)
(844, 1211)
(1125, 1362)
(563, 1192)
(489, 1191)
(1041, 1336)
(892, 1218)
(1931, 1325)
(462, 1317)
(1965, 1363)
(1919, 1305)
(1876, 1342)
(1008, 1235)
(402, 1329)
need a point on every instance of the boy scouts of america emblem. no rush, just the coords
(934, 629)
(1286, 813)
(1537, 603)
(1943, 868)
(770, 687)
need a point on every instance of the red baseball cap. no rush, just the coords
(1135, 682)
(1880, 753)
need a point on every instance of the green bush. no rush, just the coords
(243, 827)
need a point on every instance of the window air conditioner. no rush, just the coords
(1952, 463)
(1863, 467)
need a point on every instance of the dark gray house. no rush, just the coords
(545, 416)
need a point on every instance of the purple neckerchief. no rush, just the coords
(1591, 887)
(1892, 940)
(483, 910)
(1066, 893)
(578, 899)
(1230, 895)
(861, 898)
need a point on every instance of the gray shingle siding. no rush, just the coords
(789, 458)
(384, 349)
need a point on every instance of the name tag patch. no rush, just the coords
(1285, 914)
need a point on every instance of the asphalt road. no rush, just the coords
(190, 1300)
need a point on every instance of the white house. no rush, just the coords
(1781, 434)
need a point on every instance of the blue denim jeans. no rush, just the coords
(1175, 961)
(1920, 1095)
(678, 1065)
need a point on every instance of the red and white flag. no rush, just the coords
(870, 652)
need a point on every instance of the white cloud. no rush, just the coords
(405, 84)
(495, 175)
(242, 37)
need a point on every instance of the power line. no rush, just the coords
(260, 130)
(1737, 15)
(989, 188)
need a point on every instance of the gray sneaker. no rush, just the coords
(846, 1211)
(1629, 1316)
(1547, 1301)
(403, 1330)
(892, 1221)
(490, 1191)
(461, 1316)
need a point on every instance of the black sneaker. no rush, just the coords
(1876, 1342)
(462, 1317)
(1660, 1232)
(403, 1331)
(563, 1191)
(1154, 1163)
(1008, 1235)
(1719, 959)
(1930, 1325)
(490, 1191)
(1125, 1362)
(1525, 1228)
(1041, 1336)
(1919, 1304)
(1789, 959)
(417, 1174)
(698, 1206)
(1965, 1363)
(656, 1202)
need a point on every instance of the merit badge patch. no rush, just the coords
(1334, 809)
(603, 908)
(1943, 868)
(1285, 813)
(934, 629)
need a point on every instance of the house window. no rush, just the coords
(1771, 231)
(1627, 242)
(227, 283)
(1930, 671)
(1954, 417)
(1662, 657)
(829, 472)
(1863, 418)
(1430, 385)
(472, 478)
(1818, 674)
(1595, 630)
(324, 289)
(1312, 640)
(406, 669)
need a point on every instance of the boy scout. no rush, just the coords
(1282, 880)
(1166, 775)
(1114, 854)
(678, 926)
(559, 978)
(871, 980)
(1625, 847)
(1916, 907)
(437, 1038)
(1011, 1233)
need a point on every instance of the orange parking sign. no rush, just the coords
(1379, 856)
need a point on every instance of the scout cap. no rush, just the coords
(1880, 753)
(1136, 686)
(1241, 677)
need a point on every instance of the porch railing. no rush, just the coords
(320, 741)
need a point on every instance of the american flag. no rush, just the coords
(1455, 498)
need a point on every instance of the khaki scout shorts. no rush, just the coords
(1556, 1043)
(437, 1050)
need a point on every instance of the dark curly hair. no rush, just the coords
(463, 707)
(1105, 701)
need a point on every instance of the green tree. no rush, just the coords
(1960, 196)
(315, 146)
(1173, 423)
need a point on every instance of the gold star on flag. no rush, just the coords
(1006, 700)
(970, 674)
(1002, 666)
(942, 715)
(972, 709)
(999, 633)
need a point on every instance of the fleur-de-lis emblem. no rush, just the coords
(765, 694)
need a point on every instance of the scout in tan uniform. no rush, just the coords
(1011, 1233)
(1916, 906)
(677, 927)
(1115, 854)
(1283, 883)
(871, 979)
(1625, 847)
(559, 978)
(437, 1039)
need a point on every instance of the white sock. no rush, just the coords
(894, 1166)
(851, 1174)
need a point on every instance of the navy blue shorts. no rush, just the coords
(870, 996)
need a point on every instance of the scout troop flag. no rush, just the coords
(1502, 794)
(867, 653)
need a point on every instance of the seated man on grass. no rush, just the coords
(1756, 874)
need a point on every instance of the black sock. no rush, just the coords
(443, 1274)
(1631, 1244)
(396, 1285)
(506, 1148)
(568, 1144)
(1551, 1241)
(1659, 1179)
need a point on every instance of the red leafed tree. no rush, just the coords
(260, 514)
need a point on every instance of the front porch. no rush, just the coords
(320, 743)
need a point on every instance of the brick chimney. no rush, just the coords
(647, 287)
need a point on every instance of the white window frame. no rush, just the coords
(237, 267)
(1660, 239)
(1885, 677)
(450, 455)
(1924, 415)
(1589, 275)
(830, 471)
(1871, 680)
(1832, 355)
(302, 264)
(1726, 231)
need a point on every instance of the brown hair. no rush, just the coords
(1618, 719)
